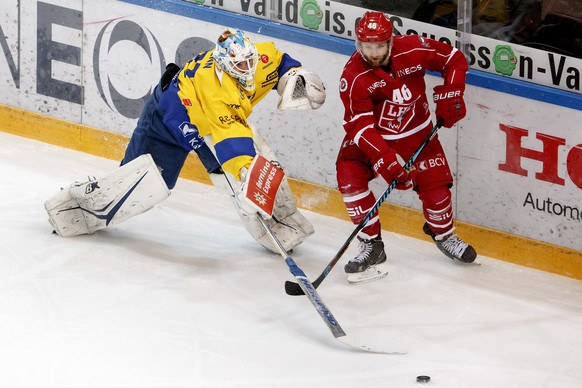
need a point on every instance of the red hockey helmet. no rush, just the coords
(374, 27)
(374, 38)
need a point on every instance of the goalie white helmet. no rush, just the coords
(237, 56)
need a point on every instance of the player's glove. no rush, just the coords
(390, 169)
(259, 187)
(450, 105)
(300, 89)
(171, 70)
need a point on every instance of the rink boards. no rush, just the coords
(76, 74)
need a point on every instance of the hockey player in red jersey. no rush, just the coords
(387, 114)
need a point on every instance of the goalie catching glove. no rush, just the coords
(260, 184)
(300, 89)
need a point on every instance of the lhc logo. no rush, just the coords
(127, 61)
(548, 156)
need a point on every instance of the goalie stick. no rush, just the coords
(295, 288)
(308, 289)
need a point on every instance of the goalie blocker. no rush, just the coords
(83, 208)
(260, 187)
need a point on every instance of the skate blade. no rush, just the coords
(371, 274)
(461, 262)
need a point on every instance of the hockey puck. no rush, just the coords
(422, 379)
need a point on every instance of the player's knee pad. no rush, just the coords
(352, 176)
(433, 172)
(83, 208)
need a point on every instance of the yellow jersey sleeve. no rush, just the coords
(208, 101)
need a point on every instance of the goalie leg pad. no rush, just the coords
(291, 231)
(84, 208)
(288, 224)
(65, 215)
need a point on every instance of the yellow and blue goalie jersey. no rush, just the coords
(203, 100)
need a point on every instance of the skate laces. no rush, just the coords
(365, 247)
(454, 245)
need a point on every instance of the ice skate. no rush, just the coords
(452, 246)
(369, 264)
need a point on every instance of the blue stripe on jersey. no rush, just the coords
(190, 73)
(176, 117)
(236, 146)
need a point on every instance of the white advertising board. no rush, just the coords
(485, 54)
(517, 162)
(41, 68)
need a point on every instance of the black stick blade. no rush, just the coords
(293, 289)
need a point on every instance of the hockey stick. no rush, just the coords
(294, 288)
(308, 289)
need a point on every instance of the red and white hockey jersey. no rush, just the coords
(391, 103)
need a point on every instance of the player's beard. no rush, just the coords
(382, 61)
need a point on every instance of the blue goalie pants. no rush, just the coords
(152, 137)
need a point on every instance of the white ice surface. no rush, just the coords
(181, 296)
